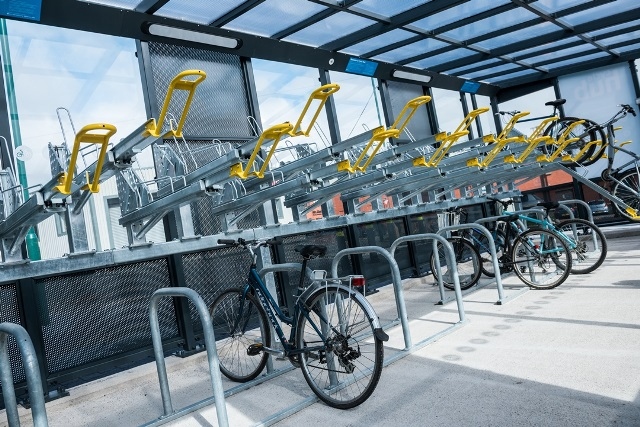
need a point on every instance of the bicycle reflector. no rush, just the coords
(358, 282)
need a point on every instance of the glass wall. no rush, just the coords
(448, 109)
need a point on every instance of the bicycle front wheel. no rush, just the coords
(577, 148)
(238, 323)
(587, 244)
(341, 356)
(628, 190)
(541, 259)
(467, 260)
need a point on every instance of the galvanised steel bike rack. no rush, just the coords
(212, 354)
(32, 372)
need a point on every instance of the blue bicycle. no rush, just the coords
(335, 338)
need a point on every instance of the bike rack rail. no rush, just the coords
(212, 354)
(32, 372)
(492, 250)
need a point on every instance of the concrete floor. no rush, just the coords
(563, 357)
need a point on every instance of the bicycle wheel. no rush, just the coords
(467, 259)
(235, 330)
(342, 357)
(541, 259)
(559, 127)
(482, 245)
(587, 243)
(628, 190)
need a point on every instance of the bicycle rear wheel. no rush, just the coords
(467, 259)
(237, 328)
(628, 190)
(587, 243)
(482, 245)
(541, 259)
(341, 357)
(559, 127)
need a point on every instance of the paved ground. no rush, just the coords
(563, 357)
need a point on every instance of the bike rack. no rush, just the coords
(492, 250)
(212, 354)
(32, 372)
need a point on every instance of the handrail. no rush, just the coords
(32, 372)
(97, 133)
(210, 343)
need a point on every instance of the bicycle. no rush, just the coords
(585, 240)
(335, 337)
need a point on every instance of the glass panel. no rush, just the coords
(553, 45)
(273, 16)
(448, 109)
(622, 38)
(387, 8)
(599, 12)
(378, 42)
(410, 50)
(486, 119)
(486, 63)
(456, 13)
(124, 4)
(490, 70)
(629, 48)
(358, 105)
(607, 30)
(581, 60)
(198, 11)
(490, 24)
(551, 6)
(331, 28)
(452, 55)
(510, 76)
(534, 104)
(559, 54)
(518, 36)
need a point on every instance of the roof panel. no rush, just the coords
(490, 24)
(413, 49)
(576, 61)
(519, 35)
(451, 55)
(378, 42)
(608, 30)
(273, 16)
(198, 11)
(490, 70)
(619, 38)
(329, 29)
(628, 48)
(599, 12)
(557, 54)
(387, 8)
(553, 45)
(456, 13)
(553, 6)
(125, 4)
(486, 63)
(511, 76)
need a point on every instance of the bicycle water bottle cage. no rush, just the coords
(311, 251)
(555, 103)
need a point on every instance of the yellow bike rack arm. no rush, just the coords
(274, 133)
(443, 149)
(466, 122)
(97, 133)
(321, 94)
(511, 124)
(183, 81)
(562, 142)
(366, 156)
(407, 112)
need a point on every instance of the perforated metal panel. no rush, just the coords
(9, 313)
(219, 107)
(399, 94)
(421, 224)
(96, 314)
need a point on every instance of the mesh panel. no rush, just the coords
(9, 313)
(210, 273)
(218, 107)
(381, 234)
(400, 94)
(421, 224)
(96, 314)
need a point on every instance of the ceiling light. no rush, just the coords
(422, 78)
(193, 36)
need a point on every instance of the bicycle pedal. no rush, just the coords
(255, 349)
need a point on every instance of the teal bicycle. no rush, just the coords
(336, 338)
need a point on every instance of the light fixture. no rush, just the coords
(422, 78)
(193, 36)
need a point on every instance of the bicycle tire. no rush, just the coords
(343, 368)
(591, 244)
(482, 245)
(467, 259)
(558, 127)
(541, 259)
(232, 345)
(630, 178)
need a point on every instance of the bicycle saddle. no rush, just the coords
(556, 102)
(549, 205)
(309, 251)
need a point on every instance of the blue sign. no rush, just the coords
(361, 66)
(21, 9)
(470, 87)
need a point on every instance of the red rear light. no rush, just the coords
(358, 281)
